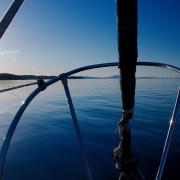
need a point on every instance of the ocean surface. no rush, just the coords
(45, 147)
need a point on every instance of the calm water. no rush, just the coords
(44, 146)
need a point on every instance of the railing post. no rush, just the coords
(7, 138)
(172, 122)
(77, 130)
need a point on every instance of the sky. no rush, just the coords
(53, 36)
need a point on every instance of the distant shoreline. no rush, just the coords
(7, 76)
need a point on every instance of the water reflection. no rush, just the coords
(45, 144)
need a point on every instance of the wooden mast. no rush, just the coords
(127, 47)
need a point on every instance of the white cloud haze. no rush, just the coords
(9, 52)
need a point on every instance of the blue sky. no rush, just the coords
(54, 36)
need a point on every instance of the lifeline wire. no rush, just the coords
(17, 87)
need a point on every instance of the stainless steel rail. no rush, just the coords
(175, 115)
(12, 127)
(44, 85)
(77, 130)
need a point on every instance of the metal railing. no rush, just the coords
(175, 116)
(63, 77)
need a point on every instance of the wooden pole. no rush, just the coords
(127, 47)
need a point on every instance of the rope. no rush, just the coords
(17, 87)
